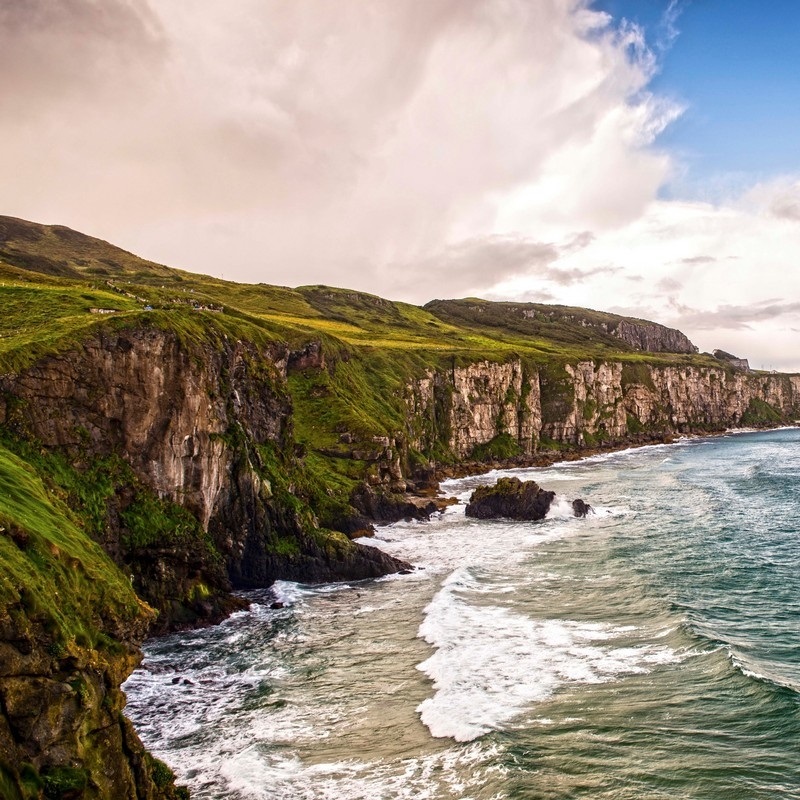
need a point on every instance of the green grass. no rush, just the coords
(501, 448)
(760, 413)
(52, 572)
(48, 313)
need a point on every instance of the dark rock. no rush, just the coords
(277, 604)
(581, 508)
(383, 506)
(309, 357)
(511, 498)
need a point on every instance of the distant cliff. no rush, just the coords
(497, 411)
(564, 323)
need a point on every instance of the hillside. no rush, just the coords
(167, 437)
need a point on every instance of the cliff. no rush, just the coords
(499, 411)
(565, 324)
(200, 436)
(70, 626)
(171, 426)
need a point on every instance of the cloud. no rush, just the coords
(473, 266)
(56, 54)
(668, 25)
(694, 260)
(778, 198)
(325, 140)
(476, 266)
(787, 206)
(734, 317)
(668, 285)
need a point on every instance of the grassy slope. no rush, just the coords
(352, 318)
(54, 575)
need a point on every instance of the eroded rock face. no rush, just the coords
(510, 498)
(145, 396)
(469, 406)
(653, 338)
(189, 420)
(587, 404)
(61, 719)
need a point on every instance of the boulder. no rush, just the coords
(581, 508)
(510, 498)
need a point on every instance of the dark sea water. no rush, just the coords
(650, 651)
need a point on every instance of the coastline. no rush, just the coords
(550, 458)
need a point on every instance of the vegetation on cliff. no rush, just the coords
(70, 622)
(165, 437)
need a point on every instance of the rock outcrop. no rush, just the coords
(510, 498)
(734, 361)
(651, 337)
(62, 731)
(207, 427)
(581, 508)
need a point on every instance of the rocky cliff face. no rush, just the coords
(588, 403)
(62, 731)
(651, 337)
(469, 406)
(206, 427)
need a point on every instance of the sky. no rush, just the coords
(634, 156)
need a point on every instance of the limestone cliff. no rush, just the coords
(469, 406)
(586, 404)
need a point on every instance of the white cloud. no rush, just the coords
(324, 140)
(726, 275)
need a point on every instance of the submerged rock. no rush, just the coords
(511, 498)
(581, 508)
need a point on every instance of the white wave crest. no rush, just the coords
(491, 662)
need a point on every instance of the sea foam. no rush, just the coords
(491, 663)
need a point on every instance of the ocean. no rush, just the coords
(649, 651)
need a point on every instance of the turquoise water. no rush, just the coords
(649, 651)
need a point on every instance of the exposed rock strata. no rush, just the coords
(469, 406)
(62, 731)
(652, 337)
(194, 423)
(587, 404)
